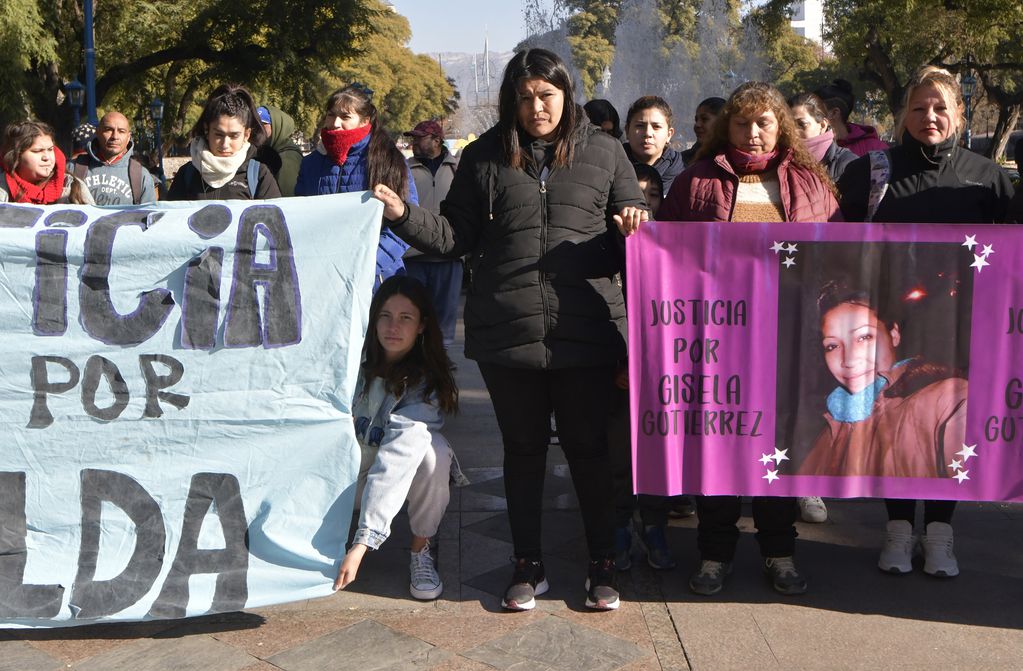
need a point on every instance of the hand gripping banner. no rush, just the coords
(175, 389)
(844, 360)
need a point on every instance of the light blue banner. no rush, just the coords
(175, 391)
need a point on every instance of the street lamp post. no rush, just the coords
(90, 63)
(156, 110)
(75, 94)
(969, 84)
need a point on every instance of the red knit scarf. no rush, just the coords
(23, 191)
(746, 164)
(337, 141)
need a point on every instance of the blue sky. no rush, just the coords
(459, 25)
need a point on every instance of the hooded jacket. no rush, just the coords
(543, 251)
(110, 183)
(281, 154)
(669, 166)
(706, 192)
(862, 139)
(941, 184)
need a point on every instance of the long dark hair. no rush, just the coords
(427, 362)
(599, 110)
(546, 65)
(235, 101)
(385, 162)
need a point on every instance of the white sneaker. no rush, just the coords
(812, 509)
(424, 582)
(938, 558)
(897, 553)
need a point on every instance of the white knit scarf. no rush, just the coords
(216, 170)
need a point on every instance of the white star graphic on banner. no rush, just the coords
(771, 476)
(967, 452)
(961, 475)
(971, 241)
(988, 251)
(777, 247)
(766, 459)
(788, 262)
(956, 465)
(780, 455)
(790, 248)
(979, 262)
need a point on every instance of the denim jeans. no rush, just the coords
(443, 282)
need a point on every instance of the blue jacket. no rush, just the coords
(319, 175)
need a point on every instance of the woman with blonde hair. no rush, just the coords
(753, 167)
(927, 178)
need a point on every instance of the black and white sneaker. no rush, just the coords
(600, 585)
(528, 581)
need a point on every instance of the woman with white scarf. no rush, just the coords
(223, 147)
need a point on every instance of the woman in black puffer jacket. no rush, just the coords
(931, 180)
(535, 203)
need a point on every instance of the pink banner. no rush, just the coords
(840, 360)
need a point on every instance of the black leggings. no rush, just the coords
(580, 399)
(934, 511)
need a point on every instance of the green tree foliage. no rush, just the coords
(591, 34)
(886, 40)
(289, 52)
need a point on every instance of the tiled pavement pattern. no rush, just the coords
(854, 617)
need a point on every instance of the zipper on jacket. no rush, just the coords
(543, 283)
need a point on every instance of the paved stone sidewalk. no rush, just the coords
(854, 617)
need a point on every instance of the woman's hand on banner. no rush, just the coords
(629, 219)
(350, 566)
(394, 206)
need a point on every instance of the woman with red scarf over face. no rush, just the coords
(353, 153)
(755, 168)
(34, 168)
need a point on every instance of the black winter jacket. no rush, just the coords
(543, 253)
(669, 166)
(836, 160)
(943, 184)
(192, 186)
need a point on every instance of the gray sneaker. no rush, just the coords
(784, 576)
(710, 577)
(424, 581)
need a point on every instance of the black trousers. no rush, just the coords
(580, 399)
(717, 533)
(934, 511)
(653, 510)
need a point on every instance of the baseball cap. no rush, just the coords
(424, 128)
(264, 114)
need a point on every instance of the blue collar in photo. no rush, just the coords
(846, 407)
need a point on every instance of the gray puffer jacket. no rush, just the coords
(543, 251)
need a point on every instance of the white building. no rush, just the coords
(808, 19)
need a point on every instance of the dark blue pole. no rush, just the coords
(159, 147)
(90, 66)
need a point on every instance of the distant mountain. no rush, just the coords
(459, 66)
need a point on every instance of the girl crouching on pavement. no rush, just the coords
(405, 387)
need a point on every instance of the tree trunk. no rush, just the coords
(1008, 117)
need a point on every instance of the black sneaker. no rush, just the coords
(600, 585)
(681, 507)
(528, 581)
(784, 577)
